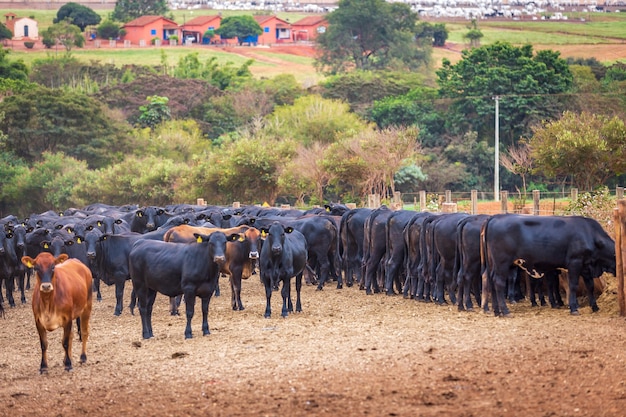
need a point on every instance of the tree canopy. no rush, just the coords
(586, 147)
(127, 10)
(529, 85)
(240, 27)
(64, 33)
(369, 34)
(77, 14)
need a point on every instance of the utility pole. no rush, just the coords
(496, 169)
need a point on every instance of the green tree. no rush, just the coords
(473, 35)
(77, 14)
(369, 34)
(12, 70)
(240, 27)
(109, 30)
(362, 88)
(585, 147)
(222, 76)
(66, 34)
(5, 32)
(530, 87)
(127, 10)
(248, 169)
(314, 119)
(45, 120)
(155, 112)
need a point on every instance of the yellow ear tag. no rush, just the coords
(30, 265)
(45, 246)
(199, 239)
(263, 234)
(241, 238)
(78, 240)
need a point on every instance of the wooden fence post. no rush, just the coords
(474, 205)
(620, 231)
(422, 200)
(574, 192)
(619, 193)
(504, 202)
(448, 196)
(536, 194)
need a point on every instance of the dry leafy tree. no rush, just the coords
(370, 159)
(305, 173)
(518, 161)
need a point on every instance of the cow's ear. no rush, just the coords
(45, 244)
(99, 223)
(118, 221)
(139, 213)
(264, 232)
(252, 220)
(160, 211)
(9, 234)
(235, 236)
(62, 258)
(200, 238)
(104, 237)
(79, 239)
(226, 216)
(288, 229)
(28, 261)
(69, 243)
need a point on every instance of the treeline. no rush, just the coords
(75, 133)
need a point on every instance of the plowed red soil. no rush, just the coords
(346, 354)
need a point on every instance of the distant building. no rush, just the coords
(23, 28)
(308, 28)
(275, 30)
(197, 27)
(146, 28)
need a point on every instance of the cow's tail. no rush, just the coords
(343, 242)
(458, 254)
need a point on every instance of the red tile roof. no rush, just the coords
(203, 20)
(146, 20)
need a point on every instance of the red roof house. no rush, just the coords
(146, 28)
(308, 28)
(196, 28)
(275, 30)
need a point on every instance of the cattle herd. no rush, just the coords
(181, 251)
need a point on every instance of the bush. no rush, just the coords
(597, 204)
(29, 44)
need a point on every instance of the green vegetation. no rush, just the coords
(79, 126)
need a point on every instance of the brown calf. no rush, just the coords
(62, 293)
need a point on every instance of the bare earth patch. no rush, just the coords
(346, 354)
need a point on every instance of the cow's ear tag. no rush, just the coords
(30, 264)
(263, 234)
(199, 239)
(241, 238)
(45, 246)
(78, 240)
(328, 209)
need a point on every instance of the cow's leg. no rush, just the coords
(286, 293)
(235, 286)
(592, 297)
(573, 277)
(43, 342)
(324, 269)
(20, 278)
(190, 303)
(298, 288)
(67, 345)
(499, 294)
(119, 295)
(268, 296)
(133, 302)
(9, 284)
(83, 327)
(96, 286)
(205, 316)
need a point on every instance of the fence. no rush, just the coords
(479, 202)
(620, 252)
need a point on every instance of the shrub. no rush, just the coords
(29, 44)
(597, 204)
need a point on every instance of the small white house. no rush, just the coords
(21, 27)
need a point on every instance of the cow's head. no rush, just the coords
(43, 265)
(216, 244)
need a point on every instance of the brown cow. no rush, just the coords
(62, 294)
(241, 254)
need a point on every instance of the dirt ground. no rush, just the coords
(346, 353)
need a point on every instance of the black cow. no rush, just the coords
(147, 219)
(426, 279)
(322, 238)
(395, 265)
(445, 245)
(412, 234)
(8, 264)
(374, 248)
(283, 256)
(467, 263)
(352, 229)
(540, 244)
(174, 269)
